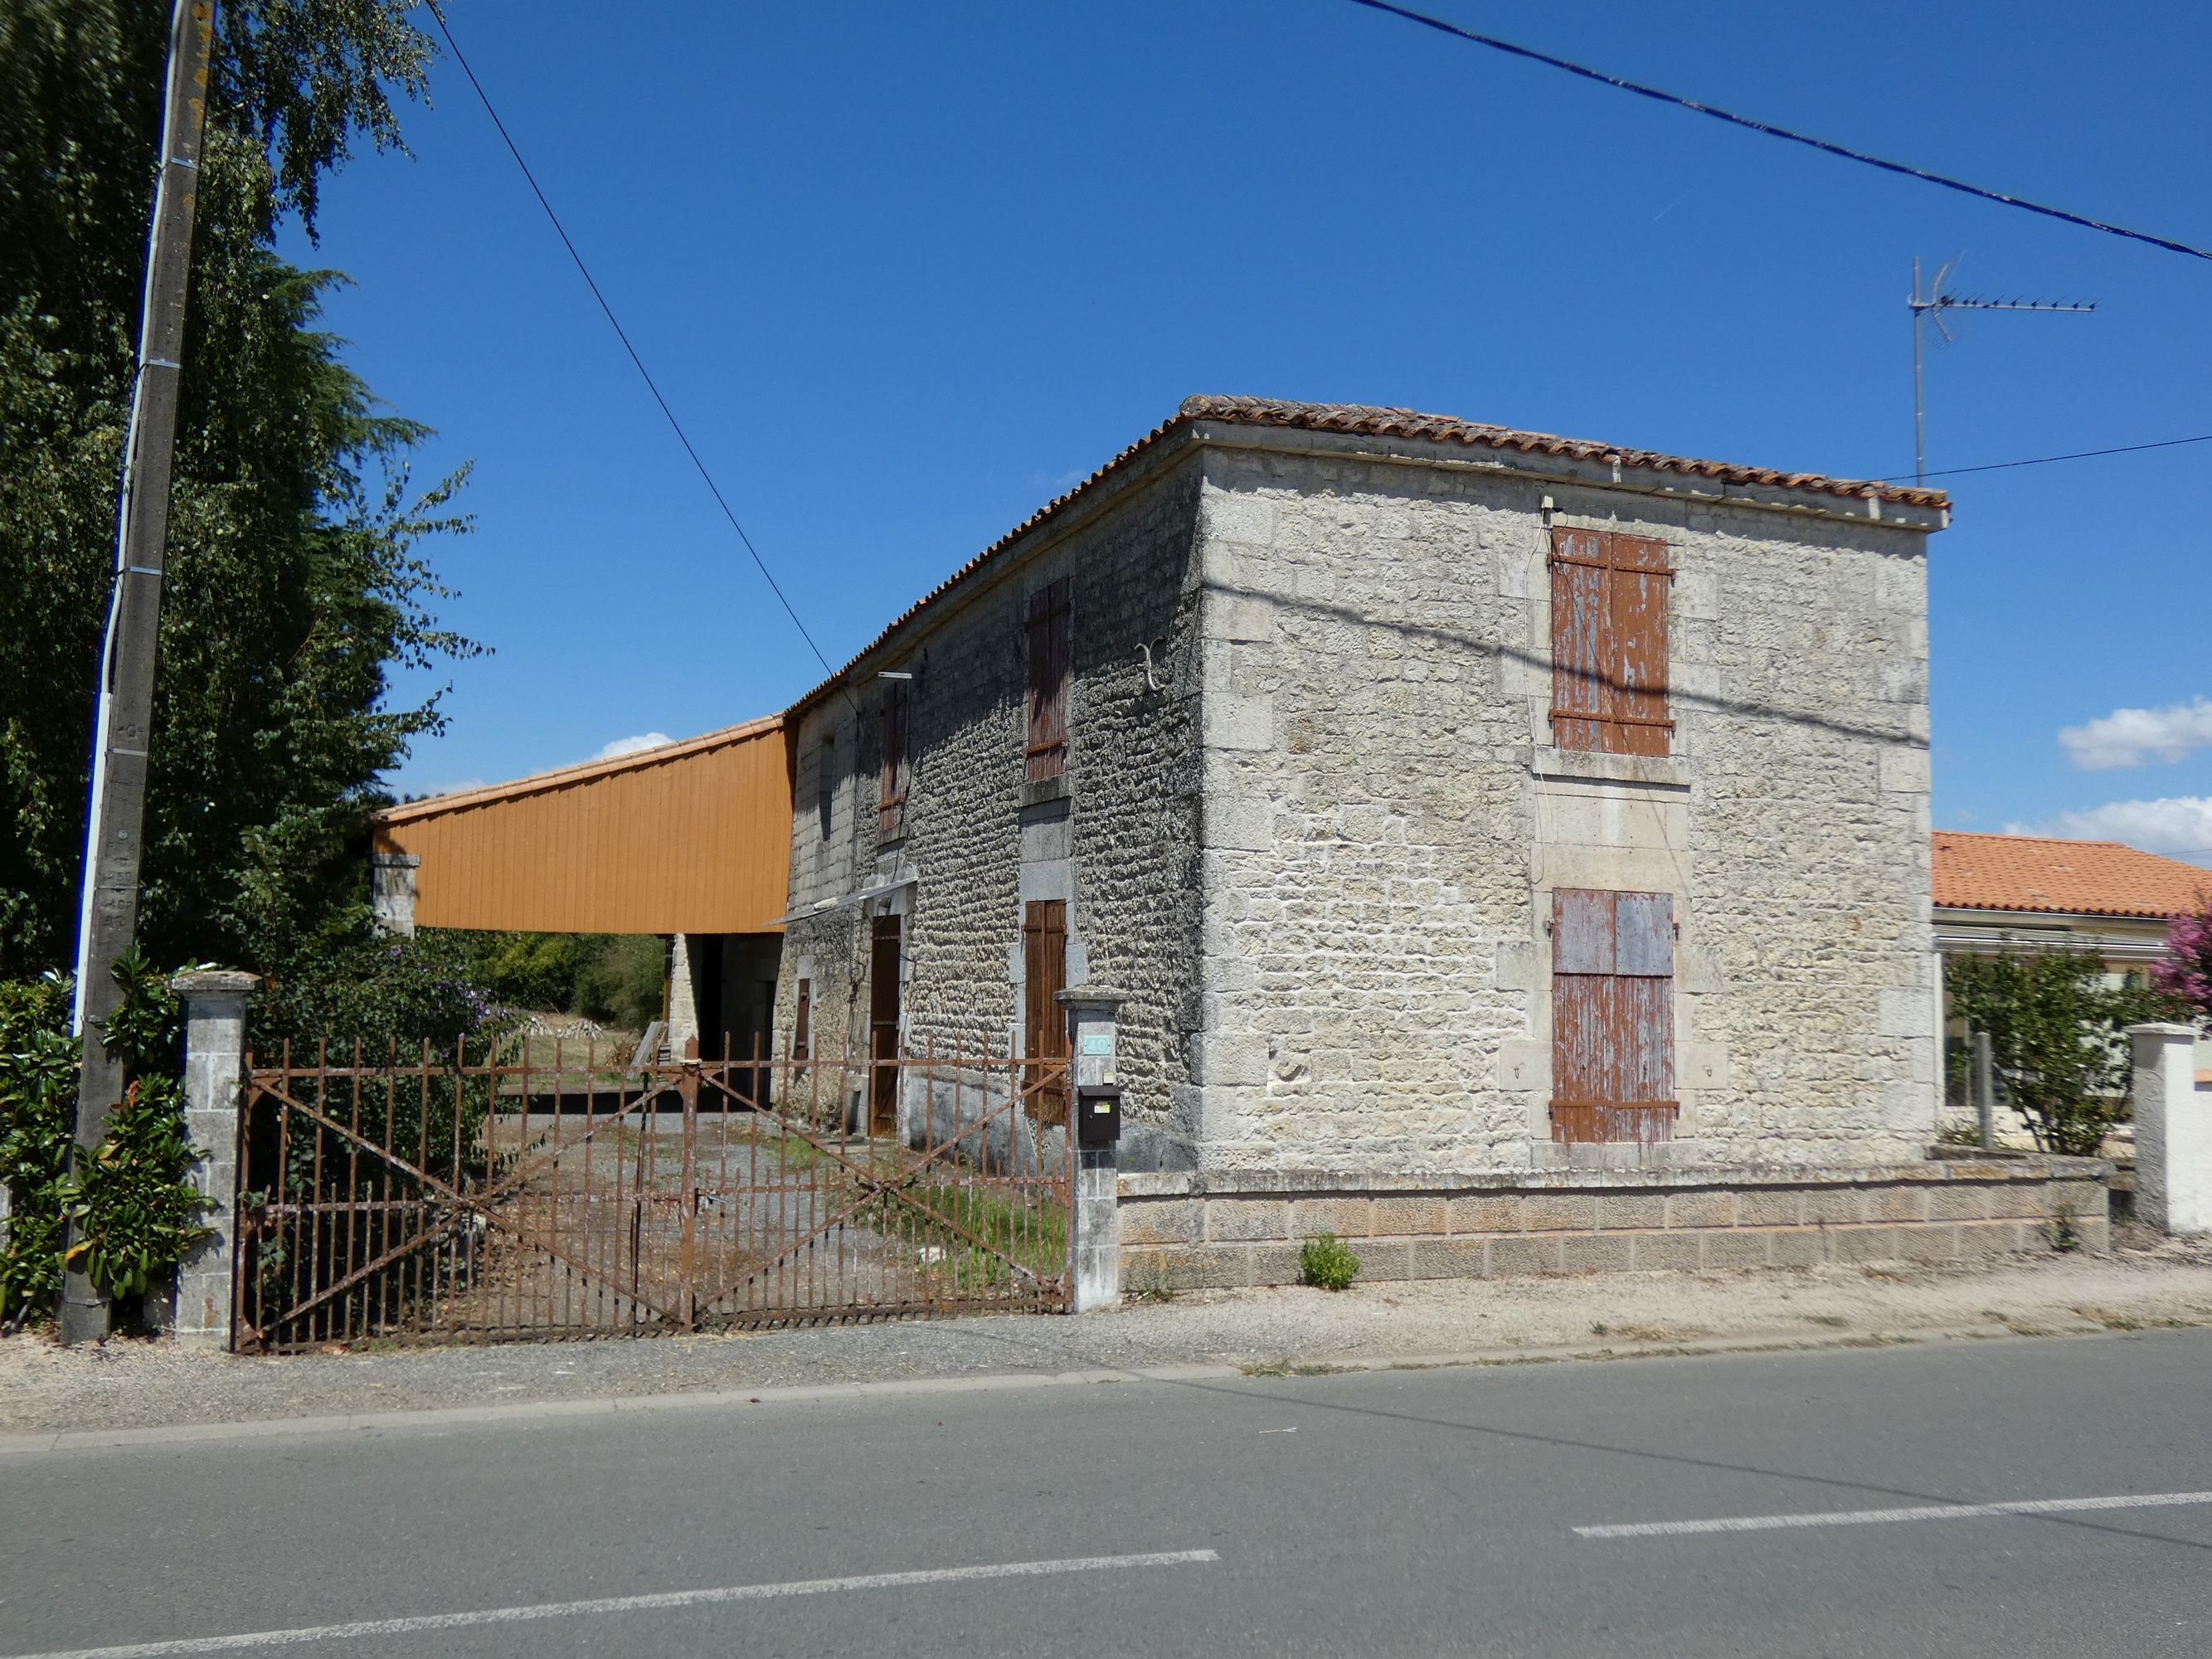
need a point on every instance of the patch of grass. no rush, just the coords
(981, 1239)
(2109, 1320)
(2065, 1237)
(1834, 1321)
(1327, 1261)
(1283, 1367)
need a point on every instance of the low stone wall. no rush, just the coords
(1190, 1231)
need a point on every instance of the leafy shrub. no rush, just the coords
(135, 1207)
(2056, 1039)
(380, 991)
(1327, 1261)
(38, 1103)
(613, 978)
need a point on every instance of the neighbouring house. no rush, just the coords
(1997, 893)
(2022, 893)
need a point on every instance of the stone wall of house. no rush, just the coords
(1385, 818)
(1117, 840)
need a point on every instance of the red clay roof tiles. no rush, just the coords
(2068, 877)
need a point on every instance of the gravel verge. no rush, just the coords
(45, 1389)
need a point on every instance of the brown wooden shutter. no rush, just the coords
(1610, 642)
(802, 1022)
(1044, 976)
(1613, 1016)
(1581, 626)
(883, 1025)
(1637, 709)
(892, 795)
(1051, 646)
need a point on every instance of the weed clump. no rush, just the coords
(1327, 1261)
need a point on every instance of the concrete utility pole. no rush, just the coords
(107, 913)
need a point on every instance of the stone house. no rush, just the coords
(1508, 850)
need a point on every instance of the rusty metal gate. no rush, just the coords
(573, 1193)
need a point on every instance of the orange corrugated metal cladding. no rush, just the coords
(693, 837)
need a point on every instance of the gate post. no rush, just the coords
(214, 1064)
(2174, 1132)
(1094, 1224)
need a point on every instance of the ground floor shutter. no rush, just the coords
(1613, 1016)
(1044, 976)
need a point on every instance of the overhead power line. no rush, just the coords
(2078, 455)
(644, 373)
(1773, 131)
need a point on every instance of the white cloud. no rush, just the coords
(2180, 826)
(622, 746)
(2130, 737)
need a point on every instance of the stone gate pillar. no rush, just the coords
(214, 1070)
(2174, 1132)
(1094, 1231)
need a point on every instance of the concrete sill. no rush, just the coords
(1045, 789)
(1654, 771)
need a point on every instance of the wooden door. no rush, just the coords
(1044, 976)
(883, 1027)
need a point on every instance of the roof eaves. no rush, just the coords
(582, 772)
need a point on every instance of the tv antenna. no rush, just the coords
(1928, 305)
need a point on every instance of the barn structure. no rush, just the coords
(690, 840)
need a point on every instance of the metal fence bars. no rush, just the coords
(559, 1190)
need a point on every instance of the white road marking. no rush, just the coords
(1877, 1517)
(285, 1638)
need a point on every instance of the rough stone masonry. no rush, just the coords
(1316, 810)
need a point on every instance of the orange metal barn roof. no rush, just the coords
(691, 837)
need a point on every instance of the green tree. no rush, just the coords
(297, 586)
(2056, 1038)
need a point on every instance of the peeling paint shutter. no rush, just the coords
(1579, 630)
(1610, 642)
(1051, 642)
(802, 1022)
(1044, 976)
(891, 809)
(1613, 1016)
(1639, 579)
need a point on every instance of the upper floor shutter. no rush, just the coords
(1051, 650)
(891, 792)
(1609, 644)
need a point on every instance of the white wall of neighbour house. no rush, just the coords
(1117, 842)
(1385, 818)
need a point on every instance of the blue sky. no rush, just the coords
(906, 272)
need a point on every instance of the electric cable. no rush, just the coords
(2046, 460)
(1773, 131)
(438, 13)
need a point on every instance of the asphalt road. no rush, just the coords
(1425, 1512)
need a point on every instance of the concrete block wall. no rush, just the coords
(1202, 1231)
(1385, 818)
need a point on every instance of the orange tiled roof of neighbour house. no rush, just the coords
(1362, 420)
(2066, 878)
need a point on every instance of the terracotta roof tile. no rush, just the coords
(2067, 877)
(1360, 419)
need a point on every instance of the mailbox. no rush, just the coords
(1097, 1114)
